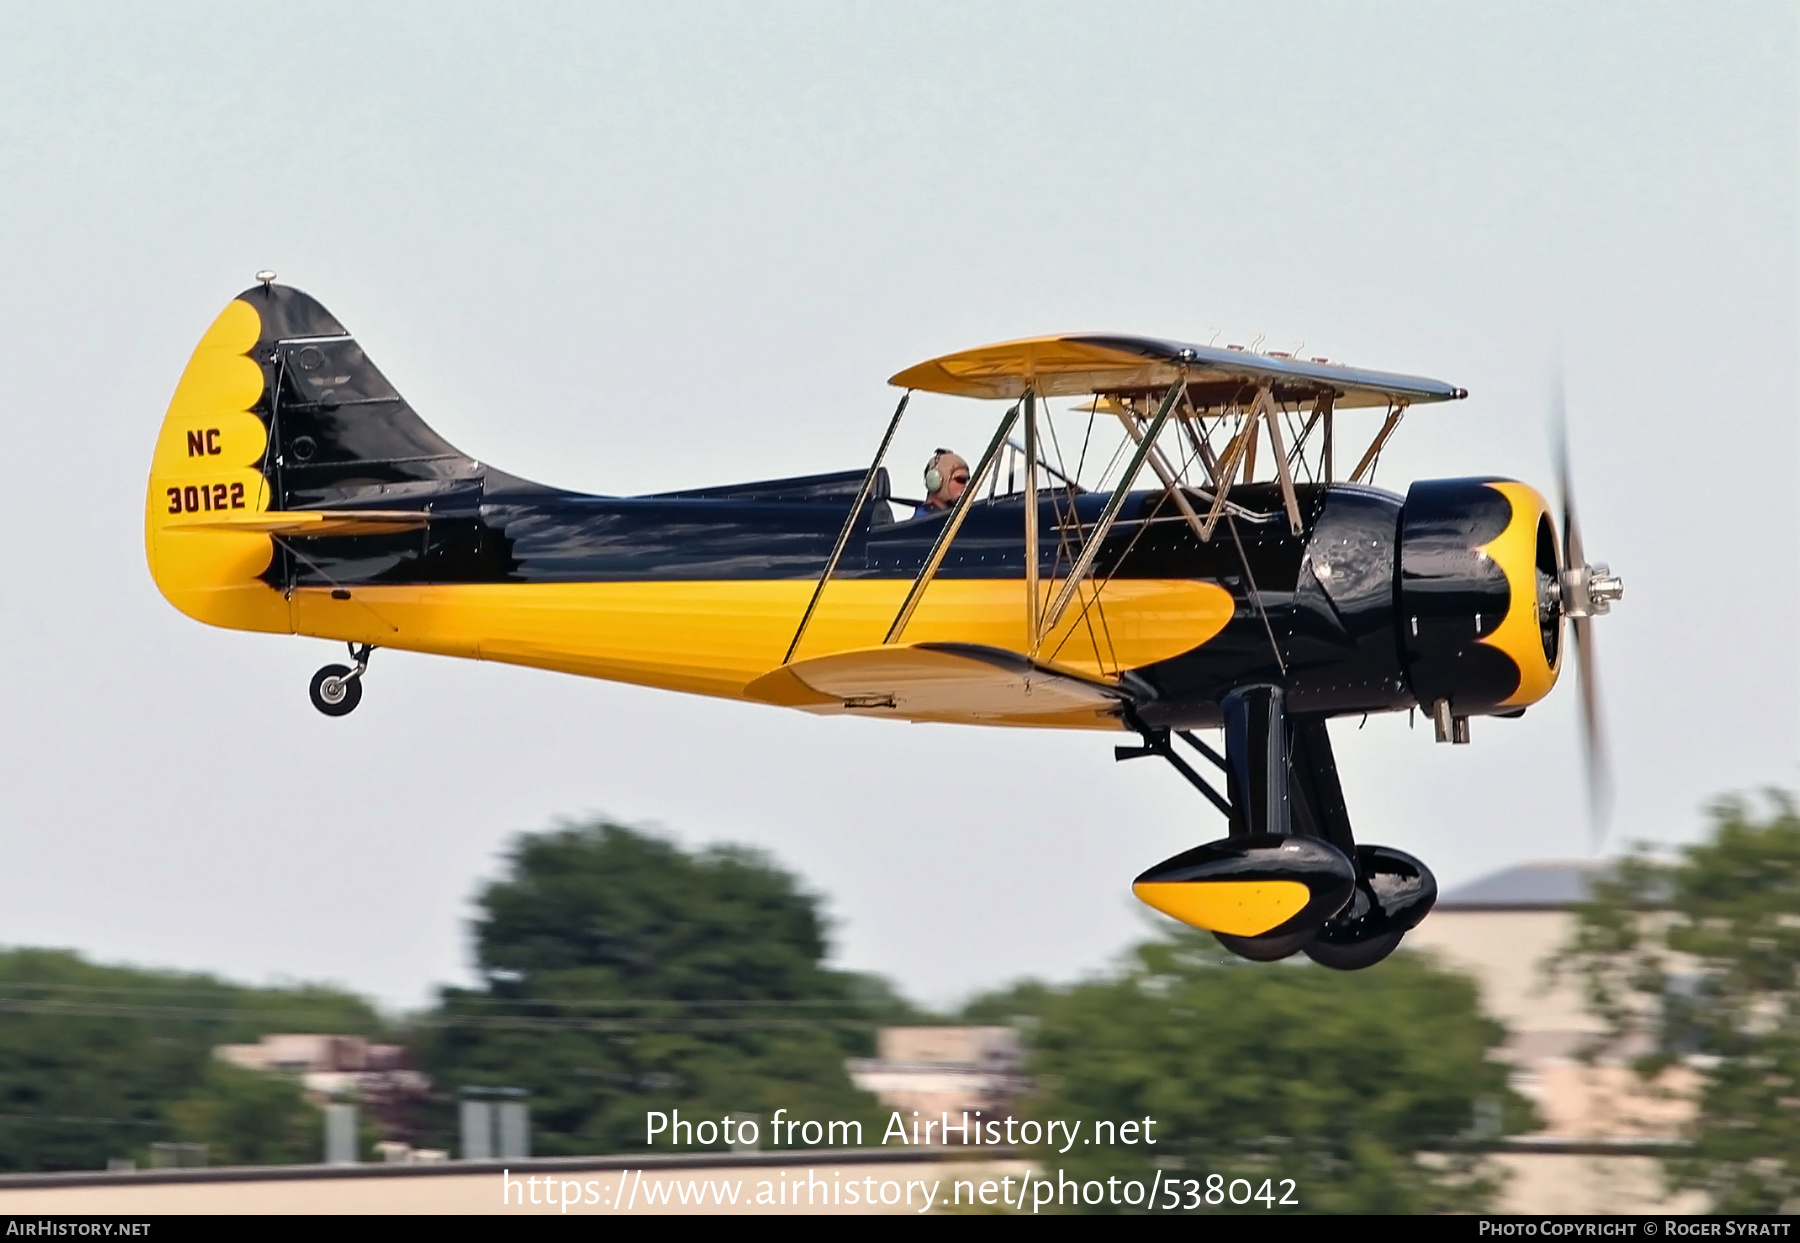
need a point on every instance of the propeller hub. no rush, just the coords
(1590, 591)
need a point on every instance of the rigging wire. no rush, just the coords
(1255, 594)
(1086, 436)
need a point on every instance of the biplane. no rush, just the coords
(1219, 575)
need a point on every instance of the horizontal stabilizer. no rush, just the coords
(961, 682)
(312, 523)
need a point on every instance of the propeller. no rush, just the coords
(1584, 592)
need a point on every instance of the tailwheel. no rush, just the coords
(337, 689)
(332, 691)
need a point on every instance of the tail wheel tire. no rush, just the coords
(333, 692)
(1354, 955)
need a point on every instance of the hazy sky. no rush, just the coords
(639, 247)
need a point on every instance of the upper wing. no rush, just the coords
(1075, 365)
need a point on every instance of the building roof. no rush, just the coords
(1526, 887)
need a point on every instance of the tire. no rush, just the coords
(1266, 949)
(1356, 955)
(331, 694)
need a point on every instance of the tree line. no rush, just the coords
(618, 974)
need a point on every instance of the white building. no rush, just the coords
(1602, 1123)
(331, 1066)
(943, 1070)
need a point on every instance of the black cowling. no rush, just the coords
(1451, 596)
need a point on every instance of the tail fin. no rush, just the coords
(279, 409)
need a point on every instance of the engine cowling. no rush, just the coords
(1480, 618)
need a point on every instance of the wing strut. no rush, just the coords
(1190, 423)
(1034, 601)
(1323, 409)
(954, 524)
(1164, 472)
(1272, 417)
(1381, 438)
(1227, 471)
(843, 540)
(1090, 547)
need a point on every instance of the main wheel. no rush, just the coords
(1266, 949)
(1394, 891)
(332, 691)
(1355, 955)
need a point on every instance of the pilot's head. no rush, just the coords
(946, 475)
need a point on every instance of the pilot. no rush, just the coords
(946, 475)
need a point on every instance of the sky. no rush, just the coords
(626, 248)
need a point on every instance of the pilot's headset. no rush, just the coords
(934, 478)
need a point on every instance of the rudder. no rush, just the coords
(209, 462)
(280, 409)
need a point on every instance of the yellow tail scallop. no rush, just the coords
(207, 465)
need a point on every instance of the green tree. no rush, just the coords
(93, 1059)
(1362, 1088)
(247, 1117)
(1697, 960)
(623, 975)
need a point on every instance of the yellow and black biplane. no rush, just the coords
(294, 490)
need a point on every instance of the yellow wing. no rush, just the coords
(963, 683)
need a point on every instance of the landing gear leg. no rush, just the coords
(1290, 878)
(1260, 752)
(1264, 890)
(337, 689)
